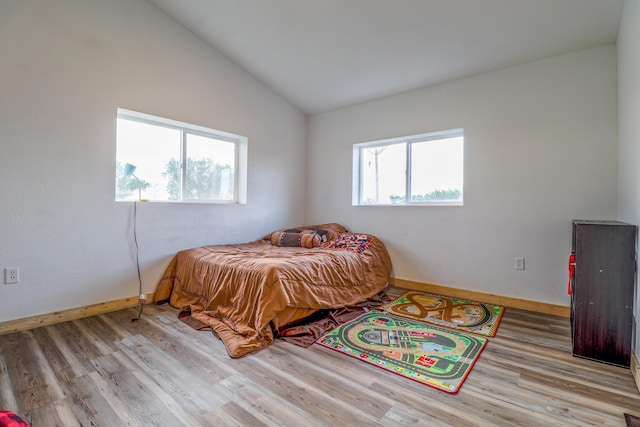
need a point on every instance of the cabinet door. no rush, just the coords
(602, 302)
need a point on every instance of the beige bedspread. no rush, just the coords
(239, 289)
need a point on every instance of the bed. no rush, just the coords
(244, 291)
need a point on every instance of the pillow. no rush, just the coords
(304, 239)
(350, 242)
(326, 231)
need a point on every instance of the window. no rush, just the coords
(424, 169)
(164, 160)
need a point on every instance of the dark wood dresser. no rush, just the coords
(602, 290)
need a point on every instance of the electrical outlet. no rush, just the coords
(143, 297)
(11, 275)
(519, 263)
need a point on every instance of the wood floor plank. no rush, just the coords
(88, 330)
(330, 362)
(545, 370)
(433, 404)
(505, 404)
(598, 405)
(231, 415)
(157, 371)
(339, 410)
(57, 414)
(512, 399)
(197, 393)
(30, 376)
(281, 363)
(7, 394)
(172, 404)
(265, 405)
(90, 407)
(119, 406)
(54, 357)
(78, 362)
(401, 415)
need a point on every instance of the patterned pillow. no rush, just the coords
(326, 232)
(350, 242)
(303, 239)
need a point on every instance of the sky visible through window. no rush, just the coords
(436, 165)
(151, 147)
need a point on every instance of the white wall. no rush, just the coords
(540, 150)
(65, 67)
(629, 124)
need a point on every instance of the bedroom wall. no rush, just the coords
(629, 127)
(65, 67)
(540, 150)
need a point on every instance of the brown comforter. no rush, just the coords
(238, 290)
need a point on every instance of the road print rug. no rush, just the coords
(438, 357)
(464, 315)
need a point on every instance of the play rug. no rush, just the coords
(468, 316)
(438, 357)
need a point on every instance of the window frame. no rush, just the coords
(185, 129)
(358, 158)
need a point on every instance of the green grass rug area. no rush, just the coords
(438, 357)
(457, 313)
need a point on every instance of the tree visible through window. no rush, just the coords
(205, 179)
(177, 162)
(419, 169)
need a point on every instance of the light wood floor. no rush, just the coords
(108, 371)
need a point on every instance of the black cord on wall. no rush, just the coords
(135, 244)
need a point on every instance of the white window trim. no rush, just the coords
(356, 180)
(242, 142)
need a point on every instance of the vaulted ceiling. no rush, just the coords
(326, 54)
